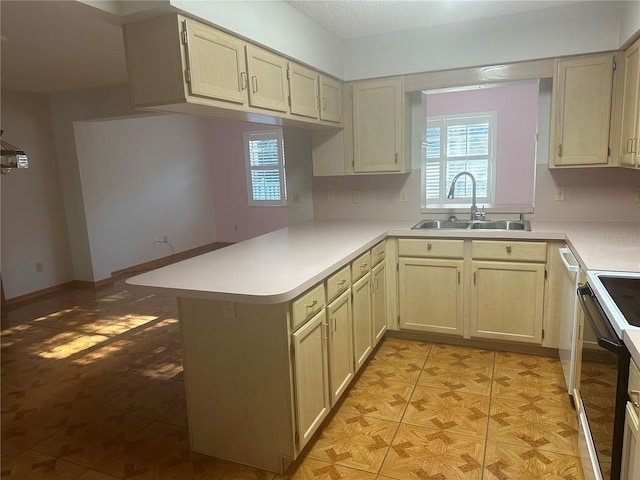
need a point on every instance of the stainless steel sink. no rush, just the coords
(506, 225)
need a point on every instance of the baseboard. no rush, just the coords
(11, 303)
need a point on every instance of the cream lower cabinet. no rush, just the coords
(431, 295)
(630, 445)
(379, 301)
(507, 293)
(362, 324)
(311, 374)
(340, 345)
(507, 301)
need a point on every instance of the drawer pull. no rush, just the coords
(508, 248)
(342, 282)
(312, 304)
(364, 267)
(635, 397)
(429, 246)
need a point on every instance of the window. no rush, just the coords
(264, 159)
(459, 143)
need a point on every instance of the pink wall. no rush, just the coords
(235, 220)
(517, 107)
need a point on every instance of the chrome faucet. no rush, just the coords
(474, 207)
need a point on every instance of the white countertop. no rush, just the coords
(280, 265)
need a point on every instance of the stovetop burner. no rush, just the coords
(625, 292)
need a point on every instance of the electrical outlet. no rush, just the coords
(228, 310)
(404, 195)
(331, 196)
(162, 239)
(559, 194)
(355, 196)
(38, 267)
(296, 197)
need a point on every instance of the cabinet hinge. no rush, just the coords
(398, 321)
(292, 350)
(288, 74)
(289, 98)
(187, 75)
(397, 267)
(354, 364)
(185, 35)
(545, 274)
(543, 333)
(559, 149)
(297, 439)
(615, 65)
(396, 158)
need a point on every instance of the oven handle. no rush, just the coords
(608, 340)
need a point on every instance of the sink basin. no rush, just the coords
(501, 225)
(506, 225)
(442, 225)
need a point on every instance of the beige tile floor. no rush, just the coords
(92, 390)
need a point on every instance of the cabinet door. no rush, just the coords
(330, 103)
(362, 325)
(507, 300)
(628, 150)
(340, 345)
(216, 63)
(630, 455)
(378, 126)
(311, 370)
(379, 301)
(267, 79)
(431, 295)
(581, 111)
(303, 91)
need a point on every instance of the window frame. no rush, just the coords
(256, 135)
(466, 118)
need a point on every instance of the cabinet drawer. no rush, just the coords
(307, 305)
(504, 250)
(360, 266)
(423, 247)
(338, 283)
(378, 252)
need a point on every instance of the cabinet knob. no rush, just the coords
(635, 396)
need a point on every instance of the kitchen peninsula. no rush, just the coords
(261, 320)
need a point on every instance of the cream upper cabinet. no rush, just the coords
(330, 99)
(378, 126)
(629, 118)
(581, 111)
(216, 65)
(267, 74)
(303, 91)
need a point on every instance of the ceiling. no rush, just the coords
(52, 46)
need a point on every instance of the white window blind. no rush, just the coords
(454, 144)
(264, 158)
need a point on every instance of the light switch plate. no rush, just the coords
(404, 195)
(331, 196)
(559, 193)
(355, 196)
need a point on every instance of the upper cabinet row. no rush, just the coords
(595, 115)
(178, 64)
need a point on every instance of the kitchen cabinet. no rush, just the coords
(379, 291)
(362, 322)
(311, 377)
(378, 127)
(507, 296)
(267, 74)
(340, 345)
(330, 99)
(430, 285)
(181, 65)
(581, 111)
(630, 446)
(629, 119)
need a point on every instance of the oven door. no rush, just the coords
(603, 384)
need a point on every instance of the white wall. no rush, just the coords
(297, 144)
(33, 217)
(276, 25)
(144, 178)
(66, 108)
(578, 28)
